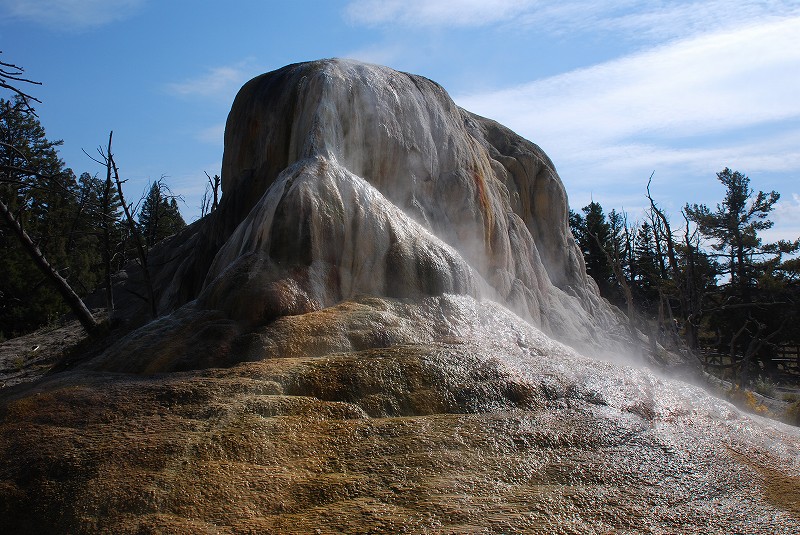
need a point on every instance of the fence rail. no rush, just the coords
(786, 361)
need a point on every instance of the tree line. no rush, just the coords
(79, 227)
(709, 283)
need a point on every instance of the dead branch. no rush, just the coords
(11, 76)
(75, 303)
(134, 229)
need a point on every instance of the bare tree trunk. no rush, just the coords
(214, 183)
(106, 215)
(732, 348)
(694, 302)
(660, 321)
(137, 238)
(677, 277)
(75, 303)
(654, 340)
(616, 265)
(755, 345)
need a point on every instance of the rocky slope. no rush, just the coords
(332, 356)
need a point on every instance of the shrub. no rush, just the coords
(765, 387)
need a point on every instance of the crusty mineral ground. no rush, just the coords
(510, 433)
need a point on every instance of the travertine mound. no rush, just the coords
(361, 340)
(343, 179)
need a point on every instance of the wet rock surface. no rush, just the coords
(331, 357)
(341, 179)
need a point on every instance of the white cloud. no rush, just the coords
(641, 19)
(435, 12)
(684, 109)
(770, 153)
(649, 21)
(701, 86)
(217, 82)
(70, 15)
(787, 220)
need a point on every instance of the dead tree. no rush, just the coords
(105, 211)
(616, 265)
(9, 75)
(134, 229)
(676, 275)
(107, 160)
(694, 299)
(213, 186)
(72, 299)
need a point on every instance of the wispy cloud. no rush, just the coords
(685, 108)
(435, 12)
(217, 82)
(639, 18)
(648, 21)
(70, 15)
(706, 85)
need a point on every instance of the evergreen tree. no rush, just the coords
(40, 196)
(735, 224)
(159, 216)
(752, 309)
(27, 301)
(594, 237)
(644, 268)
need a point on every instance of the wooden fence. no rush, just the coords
(786, 361)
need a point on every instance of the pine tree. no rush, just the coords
(644, 268)
(159, 216)
(38, 240)
(749, 315)
(594, 237)
(735, 224)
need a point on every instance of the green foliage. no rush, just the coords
(764, 386)
(644, 270)
(52, 205)
(755, 307)
(735, 224)
(76, 222)
(159, 216)
(739, 297)
(597, 242)
(26, 300)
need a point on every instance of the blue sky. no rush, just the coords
(611, 90)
